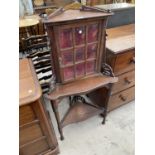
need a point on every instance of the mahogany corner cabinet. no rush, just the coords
(77, 49)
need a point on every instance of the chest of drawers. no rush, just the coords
(36, 133)
(121, 57)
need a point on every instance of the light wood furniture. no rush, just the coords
(77, 47)
(29, 26)
(36, 133)
(29, 21)
(121, 57)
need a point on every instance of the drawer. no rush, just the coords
(125, 81)
(36, 147)
(121, 98)
(124, 62)
(30, 133)
(26, 115)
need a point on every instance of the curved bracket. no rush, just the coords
(78, 98)
(107, 70)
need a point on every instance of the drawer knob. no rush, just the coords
(127, 81)
(122, 98)
(132, 60)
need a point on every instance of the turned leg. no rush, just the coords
(70, 101)
(56, 112)
(106, 104)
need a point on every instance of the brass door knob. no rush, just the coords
(132, 60)
(123, 98)
(127, 81)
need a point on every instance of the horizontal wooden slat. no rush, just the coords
(29, 124)
(31, 142)
(38, 146)
(30, 133)
(26, 115)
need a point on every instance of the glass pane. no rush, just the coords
(92, 32)
(80, 35)
(65, 38)
(80, 54)
(80, 69)
(91, 51)
(68, 73)
(90, 66)
(67, 57)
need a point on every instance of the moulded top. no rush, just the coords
(70, 15)
(29, 87)
(120, 31)
(121, 44)
(121, 38)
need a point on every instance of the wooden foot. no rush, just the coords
(106, 104)
(62, 138)
(104, 118)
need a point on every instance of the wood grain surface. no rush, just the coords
(29, 87)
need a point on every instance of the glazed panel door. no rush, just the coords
(78, 49)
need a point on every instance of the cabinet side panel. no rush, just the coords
(102, 52)
(46, 126)
(110, 58)
(54, 56)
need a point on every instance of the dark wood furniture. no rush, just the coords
(29, 26)
(36, 133)
(76, 43)
(77, 47)
(121, 57)
(41, 5)
(124, 14)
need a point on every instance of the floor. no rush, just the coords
(90, 137)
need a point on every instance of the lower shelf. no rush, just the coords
(80, 112)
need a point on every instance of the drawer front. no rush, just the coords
(36, 147)
(121, 98)
(124, 62)
(125, 81)
(30, 133)
(26, 115)
(36, 135)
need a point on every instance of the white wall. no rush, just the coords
(25, 7)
